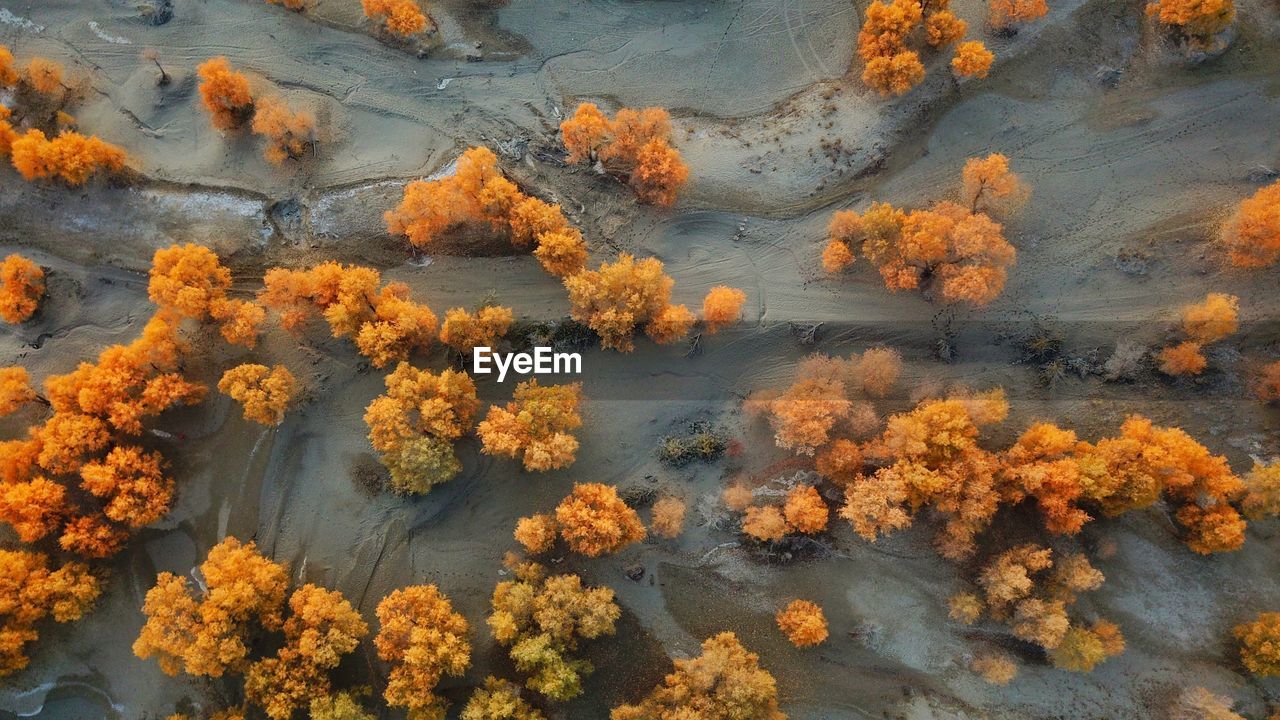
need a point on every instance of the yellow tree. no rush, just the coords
(415, 423)
(535, 426)
(594, 521)
(264, 392)
(30, 591)
(423, 639)
(21, 288)
(803, 622)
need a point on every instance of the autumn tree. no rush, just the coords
(225, 93)
(1194, 22)
(322, 627)
(890, 66)
(477, 194)
(1262, 491)
(668, 517)
(423, 639)
(1260, 644)
(131, 483)
(996, 669)
(935, 461)
(634, 145)
(31, 590)
(1267, 383)
(1251, 235)
(972, 59)
(805, 510)
(765, 523)
(1082, 648)
(1216, 317)
(44, 76)
(959, 248)
(1004, 14)
(290, 4)
(264, 392)
(535, 426)
(464, 331)
(21, 288)
(290, 134)
(1185, 358)
(415, 423)
(499, 700)
(70, 157)
(594, 521)
(209, 634)
(725, 682)
(722, 307)
(737, 496)
(803, 622)
(537, 532)
(344, 705)
(399, 17)
(623, 296)
(191, 281)
(385, 324)
(541, 619)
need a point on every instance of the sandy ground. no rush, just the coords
(1144, 170)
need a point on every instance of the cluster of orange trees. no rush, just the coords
(889, 65)
(958, 246)
(1251, 237)
(39, 95)
(803, 511)
(228, 97)
(1031, 591)
(83, 480)
(592, 521)
(615, 300)
(634, 144)
(399, 17)
(1206, 322)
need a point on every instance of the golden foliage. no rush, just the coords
(894, 74)
(290, 134)
(542, 618)
(668, 517)
(1197, 20)
(943, 28)
(840, 462)
(1007, 13)
(70, 156)
(594, 521)
(384, 323)
(536, 426)
(1083, 648)
(209, 635)
(890, 67)
(803, 623)
(1260, 644)
(1213, 319)
(620, 297)
(965, 608)
(635, 144)
(722, 307)
(401, 17)
(15, 389)
(9, 75)
(132, 485)
(537, 533)
(423, 639)
(499, 700)
(414, 424)
(477, 193)
(225, 93)
(1252, 234)
(322, 628)
(961, 249)
(765, 523)
(191, 281)
(737, 496)
(44, 76)
(996, 669)
(725, 682)
(21, 288)
(805, 510)
(1262, 491)
(30, 591)
(1185, 358)
(339, 706)
(264, 392)
(464, 331)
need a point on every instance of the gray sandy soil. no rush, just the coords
(1129, 183)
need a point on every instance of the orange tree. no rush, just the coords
(413, 426)
(535, 426)
(21, 288)
(634, 144)
(423, 639)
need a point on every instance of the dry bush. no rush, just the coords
(1198, 703)
(668, 517)
(1266, 385)
(636, 145)
(995, 668)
